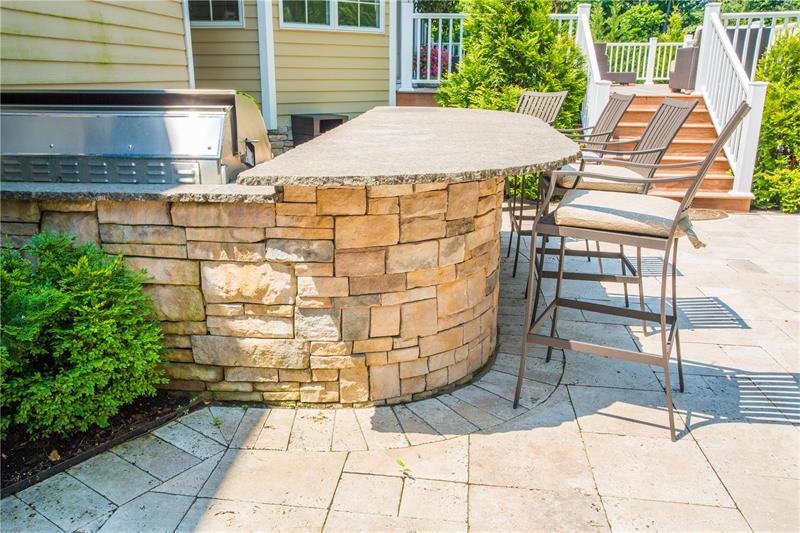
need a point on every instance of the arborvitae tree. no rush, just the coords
(511, 46)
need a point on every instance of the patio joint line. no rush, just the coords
(335, 490)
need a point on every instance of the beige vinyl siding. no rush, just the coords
(92, 44)
(330, 71)
(227, 58)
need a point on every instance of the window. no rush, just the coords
(216, 13)
(343, 15)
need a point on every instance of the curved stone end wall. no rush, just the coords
(348, 295)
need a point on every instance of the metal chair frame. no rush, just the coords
(546, 226)
(544, 106)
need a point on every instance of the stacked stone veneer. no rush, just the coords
(281, 140)
(330, 295)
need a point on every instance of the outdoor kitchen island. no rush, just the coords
(360, 267)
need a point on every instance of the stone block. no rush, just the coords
(385, 321)
(19, 211)
(299, 251)
(384, 382)
(331, 348)
(179, 355)
(225, 234)
(295, 209)
(450, 321)
(125, 234)
(360, 263)
(283, 386)
(313, 269)
(462, 200)
(377, 358)
(300, 375)
(172, 251)
(342, 201)
(190, 371)
(423, 204)
(365, 300)
(353, 385)
(166, 271)
(281, 396)
(317, 324)
(418, 318)
(285, 311)
(412, 385)
(225, 251)
(431, 276)
(177, 341)
(299, 194)
(403, 354)
(412, 256)
(184, 328)
(325, 374)
(312, 286)
(325, 392)
(83, 225)
(355, 323)
(299, 233)
(67, 206)
(436, 380)
(377, 284)
(134, 213)
(422, 229)
(441, 360)
(406, 342)
(224, 386)
(372, 345)
(460, 226)
(411, 295)
(176, 302)
(435, 186)
(299, 221)
(237, 215)
(452, 298)
(386, 191)
(234, 351)
(263, 283)
(224, 309)
(451, 250)
(366, 231)
(480, 236)
(457, 371)
(486, 204)
(410, 369)
(313, 302)
(230, 396)
(443, 341)
(487, 187)
(20, 228)
(251, 326)
(383, 206)
(243, 373)
(337, 361)
(485, 220)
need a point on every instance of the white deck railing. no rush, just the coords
(650, 61)
(753, 33)
(597, 89)
(566, 22)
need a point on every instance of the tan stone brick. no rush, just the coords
(418, 318)
(281, 396)
(134, 213)
(485, 220)
(67, 206)
(325, 392)
(423, 204)
(293, 193)
(325, 374)
(263, 283)
(299, 233)
(285, 311)
(301, 375)
(486, 204)
(313, 269)
(366, 231)
(235, 351)
(243, 373)
(299, 251)
(448, 339)
(173, 251)
(441, 360)
(313, 302)
(311, 286)
(20, 228)
(342, 201)
(299, 210)
(19, 211)
(462, 200)
(225, 251)
(457, 371)
(412, 256)
(179, 356)
(436, 380)
(83, 225)
(423, 187)
(236, 215)
(166, 271)
(472, 267)
(251, 326)
(383, 206)
(353, 385)
(377, 358)
(176, 302)
(451, 250)
(366, 300)
(461, 353)
(190, 371)
(377, 284)
(360, 262)
(184, 327)
(385, 321)
(383, 344)
(355, 323)
(403, 354)
(317, 324)
(384, 382)
(284, 386)
(225, 234)
(230, 387)
(294, 221)
(452, 298)
(487, 187)
(384, 191)
(231, 396)
(474, 357)
(450, 321)
(411, 295)
(125, 234)
(331, 348)
(478, 237)
(410, 369)
(177, 341)
(422, 229)
(412, 385)
(407, 342)
(337, 361)
(460, 226)
(431, 276)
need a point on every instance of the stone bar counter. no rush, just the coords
(359, 268)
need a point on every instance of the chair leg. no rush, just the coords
(664, 346)
(675, 313)
(511, 206)
(641, 286)
(588, 259)
(538, 271)
(520, 230)
(599, 259)
(530, 311)
(622, 264)
(557, 296)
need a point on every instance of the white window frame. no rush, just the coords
(211, 24)
(334, 25)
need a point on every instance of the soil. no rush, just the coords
(23, 458)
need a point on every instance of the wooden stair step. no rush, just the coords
(688, 131)
(710, 200)
(645, 113)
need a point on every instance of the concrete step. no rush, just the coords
(711, 200)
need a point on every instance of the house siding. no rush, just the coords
(227, 58)
(330, 71)
(92, 44)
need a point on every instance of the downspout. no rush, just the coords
(187, 38)
(266, 63)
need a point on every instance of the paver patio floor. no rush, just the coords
(589, 449)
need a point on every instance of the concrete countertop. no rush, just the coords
(394, 145)
(123, 192)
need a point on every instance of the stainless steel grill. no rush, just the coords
(134, 137)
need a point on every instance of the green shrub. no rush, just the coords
(77, 337)
(776, 179)
(511, 46)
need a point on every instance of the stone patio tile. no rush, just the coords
(213, 516)
(358, 493)
(380, 428)
(249, 428)
(504, 385)
(488, 401)
(190, 482)
(189, 440)
(155, 456)
(536, 368)
(16, 515)
(344, 522)
(202, 422)
(645, 515)
(469, 412)
(445, 460)
(768, 503)
(312, 430)
(66, 502)
(417, 430)
(149, 512)
(306, 479)
(229, 417)
(275, 433)
(621, 411)
(495, 509)
(113, 477)
(439, 500)
(597, 371)
(347, 434)
(751, 304)
(442, 418)
(653, 469)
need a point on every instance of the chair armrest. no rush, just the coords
(583, 174)
(628, 152)
(626, 163)
(569, 130)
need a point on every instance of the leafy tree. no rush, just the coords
(511, 46)
(675, 28)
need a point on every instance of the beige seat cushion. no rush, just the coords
(621, 212)
(597, 184)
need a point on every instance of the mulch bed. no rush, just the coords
(26, 462)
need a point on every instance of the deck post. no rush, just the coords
(712, 8)
(584, 10)
(651, 61)
(751, 129)
(406, 44)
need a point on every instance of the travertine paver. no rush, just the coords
(113, 477)
(155, 456)
(363, 493)
(425, 498)
(647, 515)
(152, 511)
(211, 516)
